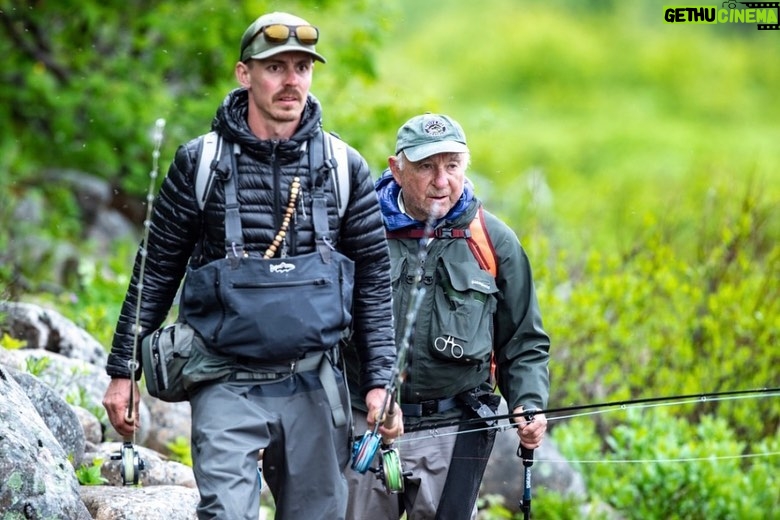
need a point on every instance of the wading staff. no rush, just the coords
(527, 455)
(528, 460)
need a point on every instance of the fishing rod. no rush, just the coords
(390, 471)
(131, 462)
(527, 455)
(551, 413)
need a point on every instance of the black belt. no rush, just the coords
(429, 407)
(312, 361)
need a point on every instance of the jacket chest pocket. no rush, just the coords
(464, 303)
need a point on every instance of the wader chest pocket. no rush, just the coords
(463, 307)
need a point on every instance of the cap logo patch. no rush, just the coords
(435, 127)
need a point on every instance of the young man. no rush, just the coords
(280, 405)
(468, 319)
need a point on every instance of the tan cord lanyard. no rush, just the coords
(295, 188)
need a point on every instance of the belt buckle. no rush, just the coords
(429, 407)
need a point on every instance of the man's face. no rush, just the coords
(431, 186)
(278, 86)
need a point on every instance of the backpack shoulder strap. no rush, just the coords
(340, 174)
(477, 238)
(480, 244)
(210, 151)
(482, 247)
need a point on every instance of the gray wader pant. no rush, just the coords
(446, 470)
(292, 420)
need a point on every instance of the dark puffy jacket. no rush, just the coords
(266, 169)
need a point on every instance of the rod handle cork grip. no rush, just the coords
(389, 420)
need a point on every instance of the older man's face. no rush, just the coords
(431, 186)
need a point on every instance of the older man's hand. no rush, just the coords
(531, 432)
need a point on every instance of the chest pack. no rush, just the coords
(335, 150)
(476, 236)
(258, 306)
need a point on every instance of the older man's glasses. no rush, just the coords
(280, 33)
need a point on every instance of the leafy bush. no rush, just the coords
(91, 475)
(81, 87)
(180, 451)
(659, 465)
(652, 322)
(10, 343)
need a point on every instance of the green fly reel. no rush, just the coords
(389, 471)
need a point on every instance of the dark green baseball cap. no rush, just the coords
(429, 134)
(255, 46)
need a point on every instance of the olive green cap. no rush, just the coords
(259, 49)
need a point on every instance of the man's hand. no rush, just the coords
(391, 424)
(116, 402)
(530, 432)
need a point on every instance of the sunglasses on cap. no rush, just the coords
(279, 33)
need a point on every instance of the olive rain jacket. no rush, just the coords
(466, 314)
(265, 172)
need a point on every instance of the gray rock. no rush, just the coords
(49, 330)
(93, 430)
(38, 479)
(81, 383)
(171, 422)
(60, 418)
(140, 503)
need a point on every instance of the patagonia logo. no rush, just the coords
(281, 268)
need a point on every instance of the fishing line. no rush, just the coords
(709, 458)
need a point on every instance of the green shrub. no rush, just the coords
(91, 475)
(658, 465)
(180, 451)
(657, 321)
(10, 343)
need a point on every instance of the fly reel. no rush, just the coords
(363, 451)
(389, 471)
(131, 464)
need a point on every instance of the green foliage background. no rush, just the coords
(636, 160)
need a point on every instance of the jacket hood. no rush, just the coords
(230, 121)
(388, 190)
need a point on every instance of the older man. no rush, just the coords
(471, 318)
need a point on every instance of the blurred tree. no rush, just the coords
(83, 82)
